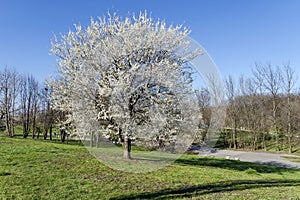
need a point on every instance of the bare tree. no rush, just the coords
(34, 86)
(217, 94)
(232, 108)
(272, 84)
(258, 80)
(204, 104)
(25, 97)
(9, 92)
(47, 113)
(29, 104)
(288, 108)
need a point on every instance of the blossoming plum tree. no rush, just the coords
(128, 77)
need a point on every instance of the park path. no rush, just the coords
(255, 157)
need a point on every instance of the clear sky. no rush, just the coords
(236, 33)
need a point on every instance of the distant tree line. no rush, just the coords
(263, 109)
(24, 102)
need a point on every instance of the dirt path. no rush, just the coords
(255, 157)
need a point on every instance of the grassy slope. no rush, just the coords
(41, 170)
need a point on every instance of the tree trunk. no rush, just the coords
(275, 125)
(33, 121)
(289, 131)
(127, 148)
(264, 141)
(63, 135)
(234, 134)
(12, 125)
(7, 113)
(92, 140)
(97, 139)
(121, 139)
(50, 132)
(25, 135)
(7, 125)
(28, 117)
(290, 144)
(255, 141)
(45, 134)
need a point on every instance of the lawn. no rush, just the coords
(294, 158)
(31, 169)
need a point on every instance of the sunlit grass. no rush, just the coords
(292, 158)
(33, 169)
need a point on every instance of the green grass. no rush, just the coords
(292, 158)
(271, 147)
(31, 169)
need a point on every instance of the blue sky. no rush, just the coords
(236, 33)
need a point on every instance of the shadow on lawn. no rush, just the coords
(232, 165)
(198, 190)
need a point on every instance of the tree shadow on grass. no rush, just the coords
(232, 165)
(198, 190)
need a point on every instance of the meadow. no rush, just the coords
(37, 169)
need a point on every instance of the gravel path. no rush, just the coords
(255, 157)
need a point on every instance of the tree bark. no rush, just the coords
(97, 139)
(127, 148)
(289, 130)
(92, 140)
(50, 132)
(290, 144)
(275, 126)
(264, 141)
(234, 133)
(45, 134)
(63, 135)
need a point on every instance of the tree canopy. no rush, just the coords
(128, 76)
